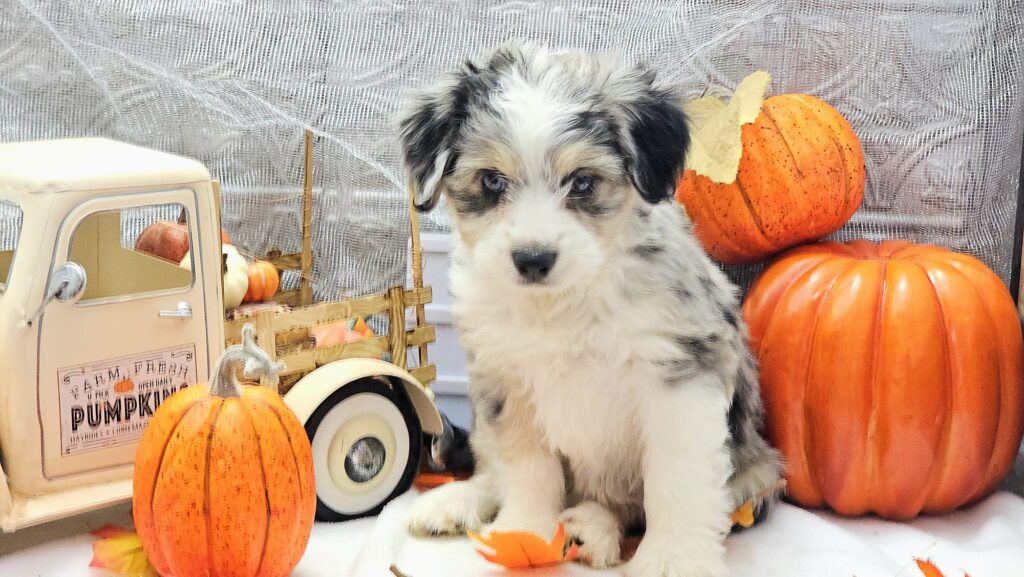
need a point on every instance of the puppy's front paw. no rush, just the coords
(678, 559)
(597, 531)
(451, 509)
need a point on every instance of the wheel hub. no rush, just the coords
(365, 459)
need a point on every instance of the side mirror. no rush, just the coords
(67, 284)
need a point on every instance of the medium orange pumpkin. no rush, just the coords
(892, 375)
(224, 478)
(263, 282)
(801, 177)
(168, 240)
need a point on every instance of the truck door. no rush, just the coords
(137, 334)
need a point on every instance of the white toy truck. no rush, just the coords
(95, 335)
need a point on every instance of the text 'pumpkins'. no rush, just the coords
(765, 175)
(224, 477)
(892, 374)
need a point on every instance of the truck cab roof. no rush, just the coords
(88, 164)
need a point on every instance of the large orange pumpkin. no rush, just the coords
(801, 177)
(224, 479)
(892, 374)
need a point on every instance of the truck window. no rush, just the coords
(118, 264)
(10, 230)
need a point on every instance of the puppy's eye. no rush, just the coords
(493, 183)
(582, 185)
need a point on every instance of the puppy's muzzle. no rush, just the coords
(534, 263)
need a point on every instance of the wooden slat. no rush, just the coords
(396, 329)
(425, 374)
(372, 348)
(325, 312)
(301, 362)
(329, 311)
(309, 359)
(290, 298)
(306, 269)
(419, 296)
(265, 338)
(233, 329)
(272, 325)
(290, 261)
(417, 264)
(421, 336)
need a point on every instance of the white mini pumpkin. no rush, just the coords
(236, 275)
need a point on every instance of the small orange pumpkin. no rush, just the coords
(224, 477)
(124, 386)
(892, 375)
(800, 177)
(263, 282)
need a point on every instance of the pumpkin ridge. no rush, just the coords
(206, 488)
(782, 136)
(295, 460)
(718, 230)
(796, 278)
(280, 421)
(935, 476)
(163, 453)
(872, 448)
(266, 487)
(724, 237)
(157, 557)
(821, 302)
(846, 176)
(983, 481)
(760, 173)
(993, 475)
(750, 206)
(853, 173)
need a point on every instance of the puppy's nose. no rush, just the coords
(534, 263)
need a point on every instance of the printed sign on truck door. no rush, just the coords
(108, 403)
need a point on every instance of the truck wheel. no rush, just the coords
(366, 441)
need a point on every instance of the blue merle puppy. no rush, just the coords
(610, 376)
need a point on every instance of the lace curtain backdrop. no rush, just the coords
(932, 87)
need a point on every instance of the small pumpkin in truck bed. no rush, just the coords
(765, 175)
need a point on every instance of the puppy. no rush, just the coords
(609, 375)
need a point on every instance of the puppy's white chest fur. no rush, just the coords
(574, 364)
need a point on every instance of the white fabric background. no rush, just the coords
(934, 88)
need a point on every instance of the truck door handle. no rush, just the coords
(183, 311)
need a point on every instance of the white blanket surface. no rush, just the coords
(986, 540)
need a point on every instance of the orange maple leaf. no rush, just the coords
(119, 550)
(930, 570)
(519, 550)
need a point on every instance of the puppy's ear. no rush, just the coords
(428, 131)
(659, 139)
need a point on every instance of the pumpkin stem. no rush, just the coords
(253, 360)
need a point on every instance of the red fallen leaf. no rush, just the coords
(519, 550)
(119, 550)
(930, 570)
